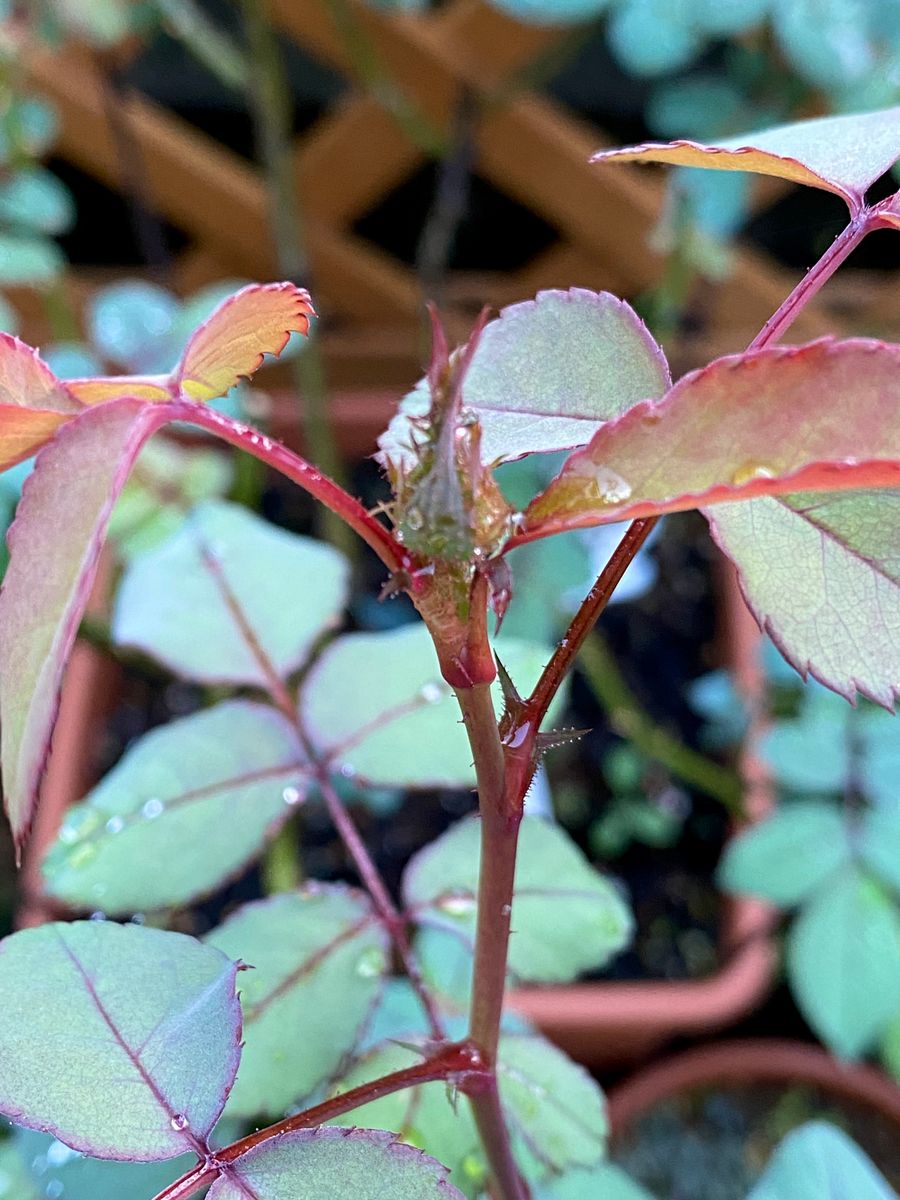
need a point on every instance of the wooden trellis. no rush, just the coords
(527, 146)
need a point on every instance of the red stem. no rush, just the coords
(299, 471)
(459, 1061)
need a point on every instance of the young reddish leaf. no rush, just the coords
(131, 1042)
(545, 376)
(822, 417)
(55, 545)
(33, 402)
(844, 154)
(231, 344)
(331, 1164)
(156, 389)
(799, 558)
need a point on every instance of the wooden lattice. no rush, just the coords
(527, 146)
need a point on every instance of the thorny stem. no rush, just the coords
(272, 104)
(500, 822)
(458, 1061)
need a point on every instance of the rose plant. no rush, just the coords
(125, 1041)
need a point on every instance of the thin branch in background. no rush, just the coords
(210, 45)
(378, 81)
(451, 200)
(272, 104)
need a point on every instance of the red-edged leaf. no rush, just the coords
(33, 402)
(822, 417)
(231, 344)
(843, 154)
(55, 545)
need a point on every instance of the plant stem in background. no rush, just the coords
(281, 865)
(210, 45)
(272, 105)
(378, 81)
(451, 200)
(629, 720)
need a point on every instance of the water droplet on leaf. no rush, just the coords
(431, 693)
(750, 471)
(458, 904)
(152, 808)
(115, 824)
(179, 1122)
(291, 796)
(371, 963)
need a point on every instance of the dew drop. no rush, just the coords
(609, 486)
(505, 910)
(291, 796)
(115, 824)
(750, 471)
(138, 919)
(348, 771)
(414, 520)
(459, 904)
(54, 1189)
(58, 1154)
(431, 693)
(68, 835)
(152, 808)
(179, 1122)
(99, 915)
(370, 963)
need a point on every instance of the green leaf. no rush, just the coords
(376, 704)
(566, 917)
(845, 154)
(654, 36)
(606, 1182)
(825, 41)
(789, 855)
(890, 1048)
(230, 598)
(812, 753)
(319, 957)
(821, 575)
(546, 374)
(878, 844)
(27, 261)
(36, 200)
(131, 1039)
(167, 481)
(131, 323)
(332, 1164)
(844, 963)
(818, 1160)
(50, 1169)
(425, 1116)
(30, 128)
(554, 1106)
(187, 807)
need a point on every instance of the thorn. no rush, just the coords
(557, 737)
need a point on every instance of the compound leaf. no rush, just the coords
(131, 1040)
(230, 598)
(319, 958)
(186, 808)
(332, 1164)
(566, 918)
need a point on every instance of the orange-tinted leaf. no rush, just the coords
(843, 154)
(33, 402)
(231, 344)
(822, 417)
(116, 387)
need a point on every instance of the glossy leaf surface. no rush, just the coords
(566, 917)
(186, 808)
(747, 425)
(376, 703)
(819, 1160)
(844, 154)
(230, 598)
(55, 545)
(821, 573)
(607, 1181)
(332, 1164)
(844, 963)
(546, 374)
(319, 958)
(131, 1041)
(789, 855)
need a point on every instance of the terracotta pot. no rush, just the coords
(608, 1024)
(767, 1060)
